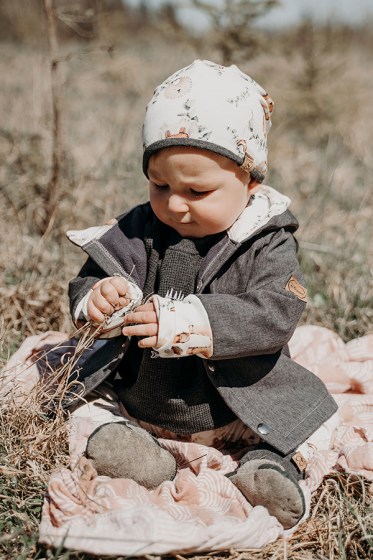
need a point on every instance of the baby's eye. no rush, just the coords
(198, 193)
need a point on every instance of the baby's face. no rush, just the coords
(196, 192)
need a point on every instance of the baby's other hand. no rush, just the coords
(143, 322)
(108, 295)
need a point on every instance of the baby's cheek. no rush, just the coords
(217, 222)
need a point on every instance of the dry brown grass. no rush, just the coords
(33, 443)
(320, 155)
(31, 446)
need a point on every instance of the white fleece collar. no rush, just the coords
(262, 206)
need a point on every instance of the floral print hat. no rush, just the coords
(212, 107)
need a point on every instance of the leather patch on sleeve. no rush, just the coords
(300, 461)
(296, 288)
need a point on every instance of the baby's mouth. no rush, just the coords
(182, 222)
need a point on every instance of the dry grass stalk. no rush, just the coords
(34, 425)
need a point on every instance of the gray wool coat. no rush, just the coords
(244, 287)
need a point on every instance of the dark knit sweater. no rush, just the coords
(172, 393)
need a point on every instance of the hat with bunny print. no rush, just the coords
(211, 107)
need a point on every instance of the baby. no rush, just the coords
(204, 283)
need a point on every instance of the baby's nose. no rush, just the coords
(177, 203)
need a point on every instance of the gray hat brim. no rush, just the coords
(188, 142)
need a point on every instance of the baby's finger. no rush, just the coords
(99, 283)
(141, 317)
(109, 292)
(149, 306)
(122, 302)
(149, 342)
(95, 314)
(101, 303)
(120, 284)
(150, 329)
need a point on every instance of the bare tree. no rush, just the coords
(58, 152)
(232, 24)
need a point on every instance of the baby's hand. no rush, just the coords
(144, 323)
(108, 295)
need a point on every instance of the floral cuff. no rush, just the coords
(184, 327)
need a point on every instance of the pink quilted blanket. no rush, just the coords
(201, 510)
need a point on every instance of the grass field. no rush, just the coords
(320, 156)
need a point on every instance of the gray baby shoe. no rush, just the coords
(121, 450)
(268, 480)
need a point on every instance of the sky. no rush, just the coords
(292, 11)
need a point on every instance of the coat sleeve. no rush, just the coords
(118, 251)
(263, 318)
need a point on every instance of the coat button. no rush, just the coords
(263, 429)
(211, 367)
